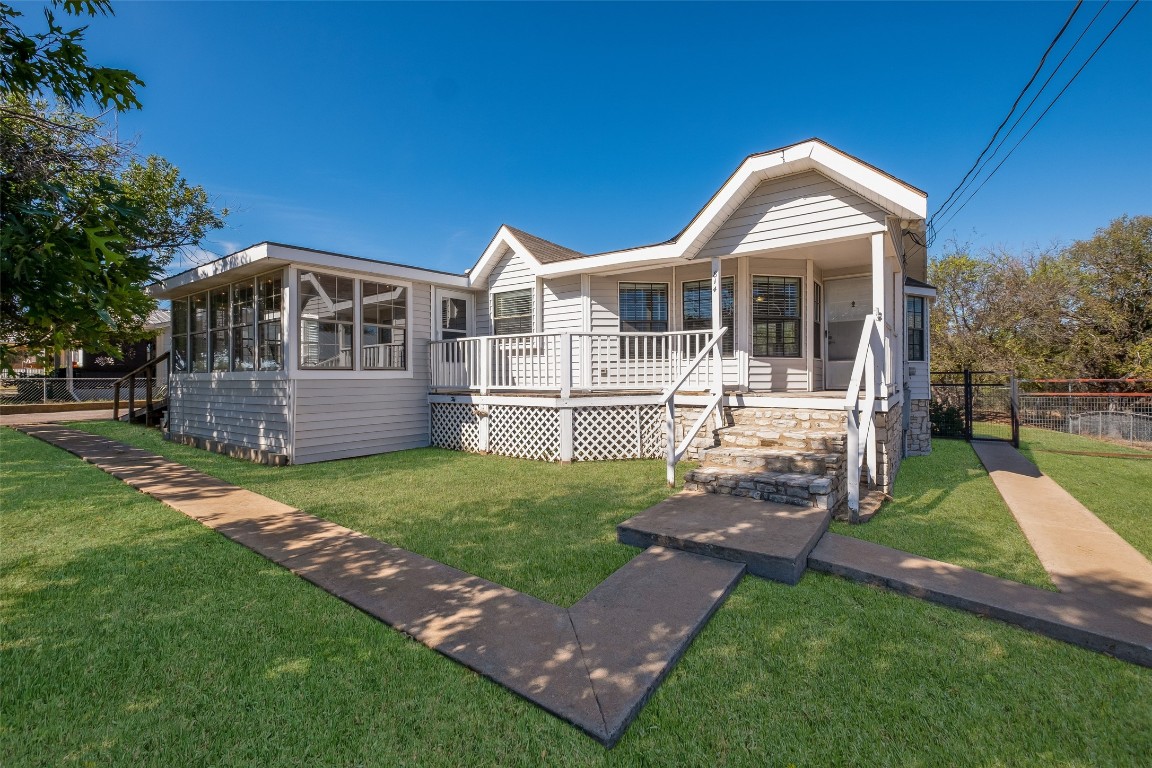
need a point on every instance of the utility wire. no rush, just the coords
(1015, 104)
(1045, 112)
(944, 208)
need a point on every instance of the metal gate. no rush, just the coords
(975, 405)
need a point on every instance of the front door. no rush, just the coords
(849, 301)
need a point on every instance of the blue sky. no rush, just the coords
(410, 132)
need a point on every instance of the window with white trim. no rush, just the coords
(775, 316)
(914, 311)
(327, 317)
(696, 309)
(233, 327)
(383, 326)
(512, 312)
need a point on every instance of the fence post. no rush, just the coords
(968, 404)
(1015, 410)
(44, 390)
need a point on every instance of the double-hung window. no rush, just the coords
(512, 312)
(817, 321)
(198, 333)
(697, 310)
(269, 306)
(219, 315)
(244, 326)
(914, 311)
(327, 316)
(384, 322)
(775, 316)
(643, 309)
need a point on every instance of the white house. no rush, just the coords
(795, 297)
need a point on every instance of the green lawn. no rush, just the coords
(545, 529)
(1116, 490)
(945, 507)
(134, 636)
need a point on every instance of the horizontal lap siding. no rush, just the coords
(337, 418)
(563, 308)
(777, 374)
(512, 273)
(239, 410)
(918, 384)
(802, 204)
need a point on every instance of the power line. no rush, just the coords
(1045, 112)
(944, 208)
(1015, 104)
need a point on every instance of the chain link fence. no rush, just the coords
(30, 390)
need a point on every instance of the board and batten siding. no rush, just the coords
(247, 410)
(342, 417)
(803, 204)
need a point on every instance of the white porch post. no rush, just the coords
(809, 326)
(879, 287)
(566, 435)
(717, 323)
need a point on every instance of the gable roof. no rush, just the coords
(545, 251)
(892, 195)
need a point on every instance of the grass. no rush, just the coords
(945, 507)
(1116, 490)
(544, 529)
(133, 636)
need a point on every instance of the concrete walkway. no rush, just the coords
(593, 665)
(1084, 557)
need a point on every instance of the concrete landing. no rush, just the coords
(772, 539)
(1060, 616)
(1083, 556)
(594, 665)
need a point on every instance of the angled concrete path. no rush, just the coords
(1060, 616)
(593, 665)
(1083, 556)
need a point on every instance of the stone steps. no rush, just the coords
(772, 460)
(801, 489)
(817, 441)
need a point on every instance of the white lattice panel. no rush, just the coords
(455, 426)
(524, 432)
(617, 432)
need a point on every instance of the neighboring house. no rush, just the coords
(809, 257)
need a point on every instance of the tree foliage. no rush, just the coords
(84, 223)
(1080, 311)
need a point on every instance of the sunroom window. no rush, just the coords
(384, 320)
(775, 316)
(697, 310)
(326, 320)
(233, 327)
(512, 312)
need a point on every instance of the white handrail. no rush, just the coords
(669, 401)
(668, 393)
(861, 415)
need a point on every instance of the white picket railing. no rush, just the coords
(668, 399)
(869, 371)
(561, 362)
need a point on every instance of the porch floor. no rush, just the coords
(825, 393)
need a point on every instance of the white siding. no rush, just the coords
(605, 304)
(483, 324)
(512, 273)
(563, 308)
(339, 418)
(777, 374)
(798, 205)
(247, 410)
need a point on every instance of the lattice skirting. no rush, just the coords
(599, 433)
(456, 426)
(618, 432)
(524, 432)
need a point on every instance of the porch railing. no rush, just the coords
(676, 452)
(868, 371)
(151, 391)
(561, 362)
